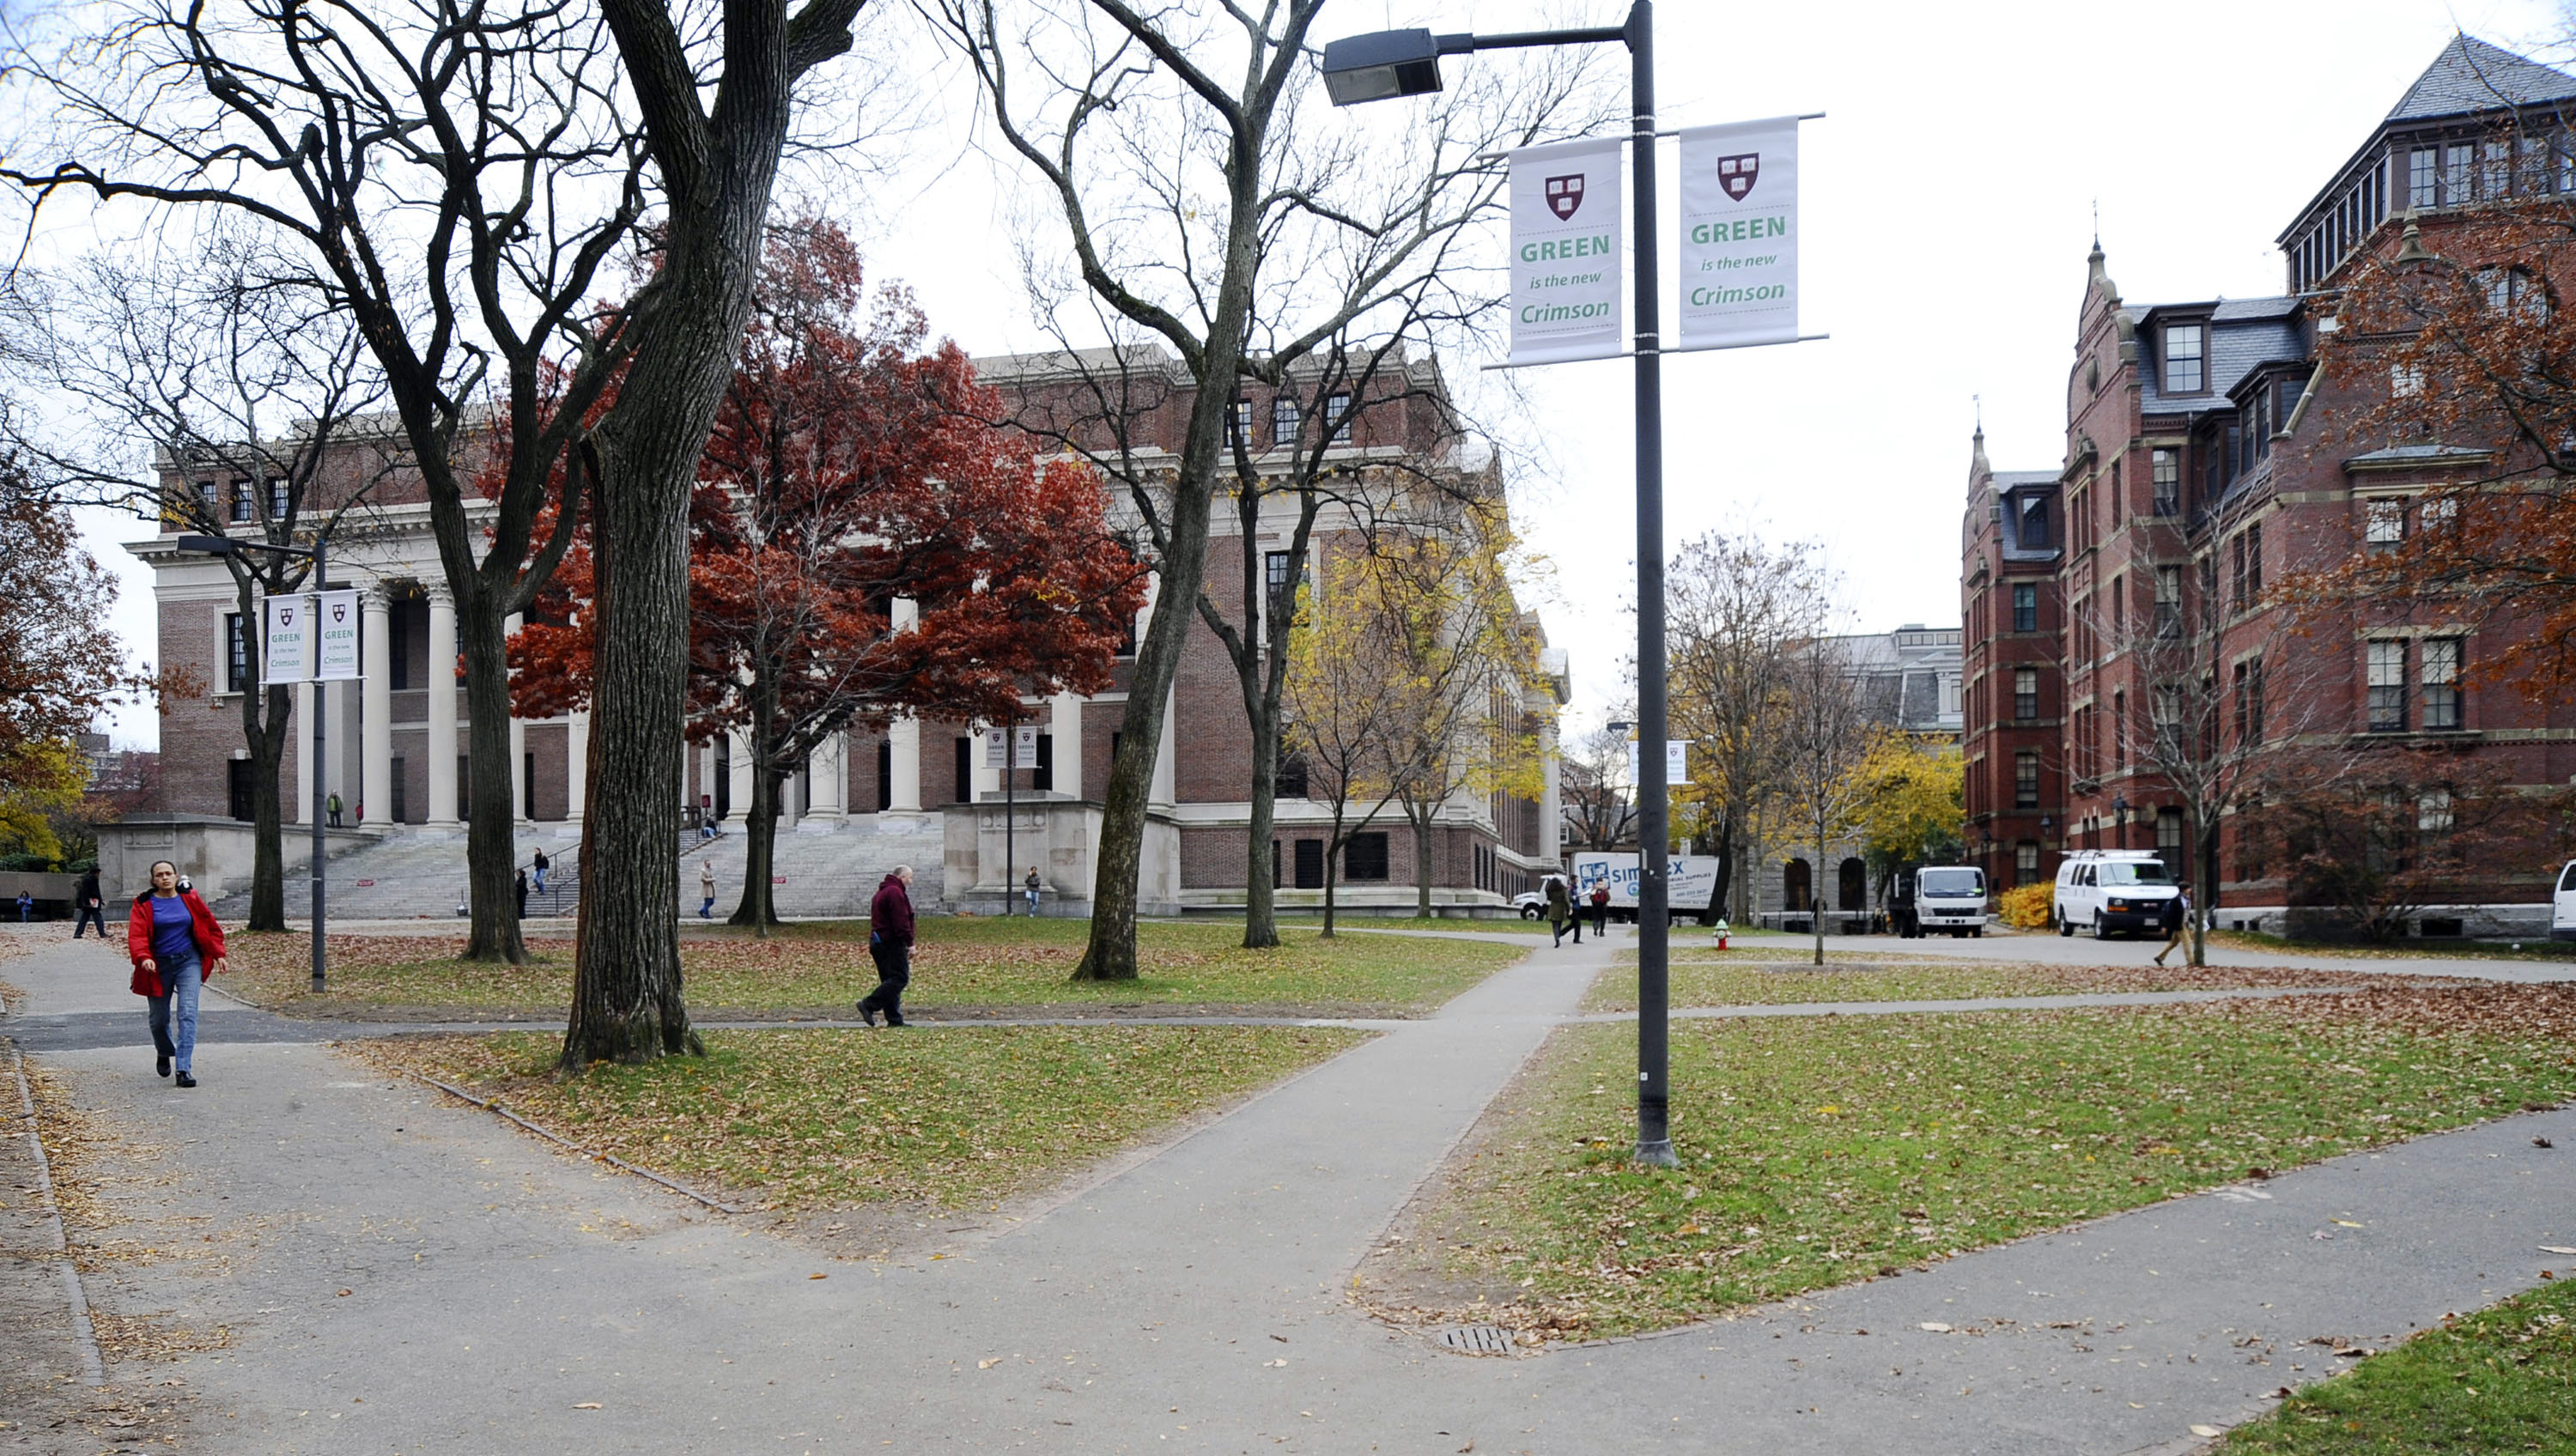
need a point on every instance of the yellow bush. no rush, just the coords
(2026, 907)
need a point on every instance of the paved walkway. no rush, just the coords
(399, 1273)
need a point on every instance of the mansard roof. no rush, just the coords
(2244, 335)
(2470, 76)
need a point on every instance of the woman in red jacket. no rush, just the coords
(175, 944)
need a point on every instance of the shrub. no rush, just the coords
(2026, 907)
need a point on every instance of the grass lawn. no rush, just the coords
(959, 964)
(1818, 1150)
(2503, 1379)
(802, 1120)
(1726, 981)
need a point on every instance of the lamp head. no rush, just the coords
(1386, 63)
(207, 545)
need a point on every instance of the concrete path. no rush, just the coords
(398, 1273)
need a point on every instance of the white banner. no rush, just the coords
(1025, 751)
(1739, 227)
(288, 654)
(335, 620)
(1676, 762)
(1566, 255)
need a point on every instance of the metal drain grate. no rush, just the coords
(1478, 1339)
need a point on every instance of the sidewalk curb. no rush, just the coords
(93, 1366)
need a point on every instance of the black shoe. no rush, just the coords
(161, 1066)
(867, 1015)
(891, 1023)
(187, 1079)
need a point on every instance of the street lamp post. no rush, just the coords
(1392, 63)
(227, 546)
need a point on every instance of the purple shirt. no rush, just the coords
(174, 930)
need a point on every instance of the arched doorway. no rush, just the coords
(1852, 891)
(1797, 887)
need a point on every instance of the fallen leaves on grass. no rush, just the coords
(794, 1120)
(1733, 982)
(1953, 1131)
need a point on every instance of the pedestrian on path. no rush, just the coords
(890, 945)
(707, 891)
(175, 944)
(87, 906)
(26, 907)
(1557, 908)
(1033, 887)
(538, 865)
(1601, 909)
(2177, 916)
(521, 889)
(334, 803)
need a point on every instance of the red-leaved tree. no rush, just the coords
(861, 545)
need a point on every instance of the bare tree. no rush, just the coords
(1203, 217)
(2199, 714)
(457, 178)
(1740, 613)
(241, 397)
(1593, 783)
(1826, 734)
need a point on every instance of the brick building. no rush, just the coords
(2208, 457)
(921, 791)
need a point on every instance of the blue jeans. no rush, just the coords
(183, 979)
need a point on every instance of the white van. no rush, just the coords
(2562, 906)
(2107, 891)
(1951, 898)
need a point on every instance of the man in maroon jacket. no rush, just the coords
(890, 943)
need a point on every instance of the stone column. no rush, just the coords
(442, 709)
(308, 770)
(376, 705)
(829, 771)
(576, 765)
(904, 761)
(738, 775)
(1065, 723)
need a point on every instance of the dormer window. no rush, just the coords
(2034, 523)
(2184, 349)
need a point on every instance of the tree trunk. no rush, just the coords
(1260, 901)
(2204, 873)
(1421, 858)
(1816, 894)
(491, 837)
(1332, 852)
(759, 907)
(1110, 954)
(267, 743)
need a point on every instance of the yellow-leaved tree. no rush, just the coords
(1913, 809)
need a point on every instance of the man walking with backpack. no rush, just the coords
(890, 946)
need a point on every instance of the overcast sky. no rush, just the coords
(1948, 205)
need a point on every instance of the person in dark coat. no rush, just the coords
(890, 945)
(175, 944)
(88, 908)
(1558, 908)
(538, 867)
(1601, 908)
(520, 888)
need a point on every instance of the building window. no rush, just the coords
(2168, 601)
(2383, 524)
(1290, 779)
(2120, 730)
(2169, 847)
(1337, 408)
(2420, 171)
(2455, 175)
(1283, 421)
(2026, 862)
(2025, 693)
(1364, 857)
(1127, 643)
(243, 503)
(964, 764)
(1279, 576)
(2437, 513)
(2026, 779)
(885, 774)
(2495, 178)
(1797, 887)
(240, 785)
(1310, 864)
(236, 654)
(1042, 778)
(2166, 468)
(2183, 345)
(2433, 814)
(1238, 423)
(2254, 564)
(2441, 671)
(206, 499)
(2026, 606)
(277, 497)
(2387, 687)
(2405, 381)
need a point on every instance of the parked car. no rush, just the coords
(2562, 906)
(2108, 891)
